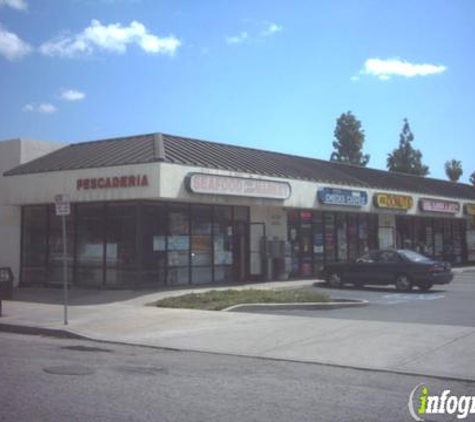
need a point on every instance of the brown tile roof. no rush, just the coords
(193, 152)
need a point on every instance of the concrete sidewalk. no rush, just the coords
(119, 316)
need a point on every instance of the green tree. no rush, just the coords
(472, 178)
(406, 159)
(453, 170)
(349, 141)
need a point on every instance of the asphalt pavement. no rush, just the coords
(48, 379)
(443, 305)
(442, 348)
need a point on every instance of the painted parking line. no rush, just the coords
(404, 298)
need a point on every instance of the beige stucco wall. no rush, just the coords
(13, 153)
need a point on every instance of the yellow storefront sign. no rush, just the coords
(398, 202)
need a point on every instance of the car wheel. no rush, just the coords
(403, 283)
(425, 287)
(335, 280)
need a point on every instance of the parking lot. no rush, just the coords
(443, 305)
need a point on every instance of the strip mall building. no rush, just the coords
(159, 210)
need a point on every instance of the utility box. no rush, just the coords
(279, 256)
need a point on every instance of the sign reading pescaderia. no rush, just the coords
(131, 181)
(346, 197)
(436, 205)
(395, 202)
(237, 186)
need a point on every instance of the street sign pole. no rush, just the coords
(63, 208)
(65, 271)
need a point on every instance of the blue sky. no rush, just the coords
(265, 74)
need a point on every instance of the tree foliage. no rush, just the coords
(453, 170)
(406, 159)
(472, 178)
(349, 141)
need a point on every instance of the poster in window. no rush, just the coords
(178, 243)
(159, 243)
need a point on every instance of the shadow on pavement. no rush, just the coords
(77, 296)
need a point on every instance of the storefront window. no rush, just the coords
(363, 234)
(121, 245)
(223, 243)
(154, 244)
(318, 241)
(55, 270)
(293, 226)
(178, 242)
(352, 236)
(90, 244)
(341, 234)
(330, 241)
(34, 245)
(201, 251)
(439, 239)
(306, 243)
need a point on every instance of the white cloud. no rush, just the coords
(47, 108)
(43, 108)
(271, 29)
(238, 39)
(11, 46)
(385, 69)
(72, 95)
(111, 38)
(15, 4)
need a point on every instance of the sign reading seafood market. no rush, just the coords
(346, 197)
(390, 201)
(131, 181)
(436, 205)
(470, 209)
(213, 184)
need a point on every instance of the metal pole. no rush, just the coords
(65, 272)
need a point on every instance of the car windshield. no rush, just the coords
(413, 256)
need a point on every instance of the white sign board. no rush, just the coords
(63, 206)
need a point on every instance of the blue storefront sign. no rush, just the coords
(345, 197)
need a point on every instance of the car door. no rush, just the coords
(364, 268)
(389, 265)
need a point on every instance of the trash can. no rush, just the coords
(6, 283)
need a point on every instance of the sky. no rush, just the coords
(271, 75)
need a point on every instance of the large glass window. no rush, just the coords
(34, 246)
(178, 242)
(55, 274)
(201, 251)
(318, 241)
(330, 241)
(90, 244)
(223, 243)
(341, 235)
(353, 252)
(121, 245)
(154, 244)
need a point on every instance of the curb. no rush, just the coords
(308, 306)
(40, 331)
(58, 333)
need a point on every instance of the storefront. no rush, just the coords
(117, 244)
(158, 210)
